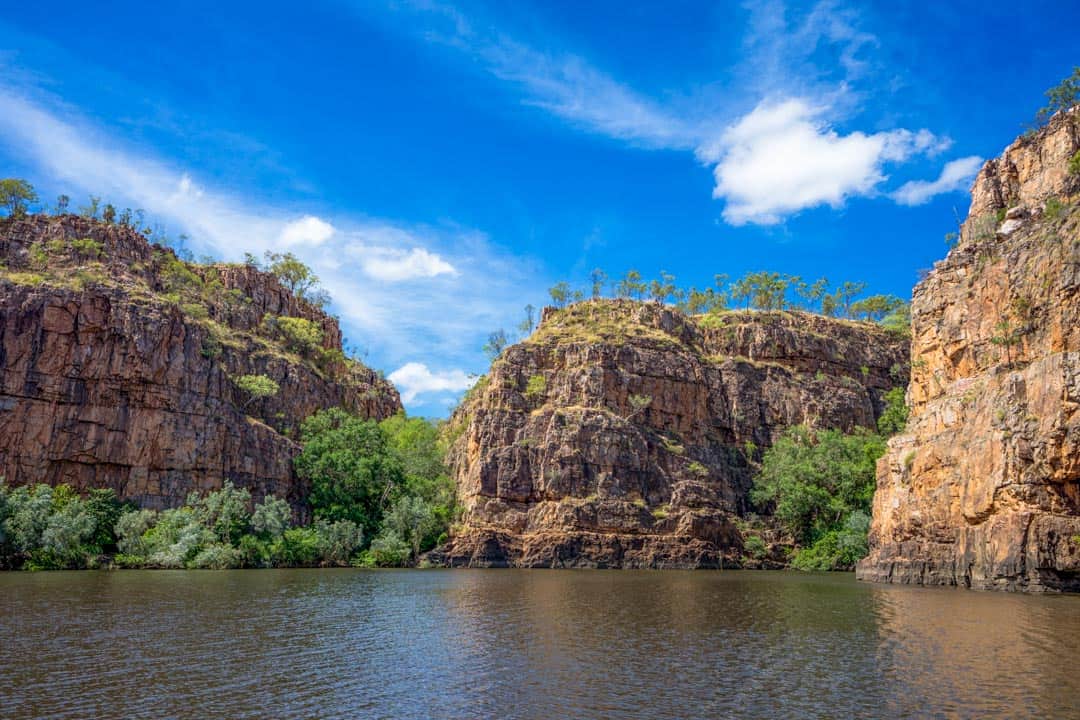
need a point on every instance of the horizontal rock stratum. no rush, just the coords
(117, 367)
(983, 489)
(622, 433)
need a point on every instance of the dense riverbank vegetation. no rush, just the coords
(380, 496)
(819, 486)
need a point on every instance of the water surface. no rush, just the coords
(525, 644)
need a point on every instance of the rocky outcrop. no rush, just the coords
(117, 367)
(622, 434)
(983, 488)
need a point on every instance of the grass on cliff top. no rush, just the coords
(600, 321)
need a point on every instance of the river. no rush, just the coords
(525, 644)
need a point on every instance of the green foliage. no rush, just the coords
(894, 416)
(256, 387)
(1062, 96)
(16, 196)
(755, 547)
(815, 479)
(296, 276)
(837, 549)
(88, 248)
(1053, 209)
(496, 343)
(224, 512)
(535, 388)
(388, 550)
(302, 336)
(1074, 164)
(351, 467)
(270, 518)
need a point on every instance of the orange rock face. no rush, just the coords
(983, 488)
(622, 434)
(107, 379)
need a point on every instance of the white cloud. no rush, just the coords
(413, 379)
(395, 265)
(782, 158)
(405, 291)
(308, 230)
(955, 176)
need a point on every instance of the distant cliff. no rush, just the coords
(119, 366)
(983, 489)
(623, 434)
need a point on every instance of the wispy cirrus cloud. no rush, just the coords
(772, 158)
(397, 287)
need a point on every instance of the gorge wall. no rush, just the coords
(117, 363)
(623, 434)
(983, 488)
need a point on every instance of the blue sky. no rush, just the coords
(441, 165)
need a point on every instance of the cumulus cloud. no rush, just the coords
(408, 292)
(782, 157)
(395, 265)
(413, 379)
(308, 230)
(955, 176)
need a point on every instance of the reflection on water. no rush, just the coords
(525, 644)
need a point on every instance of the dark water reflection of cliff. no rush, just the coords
(525, 644)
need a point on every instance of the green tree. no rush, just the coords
(894, 416)
(526, 325)
(814, 478)
(224, 512)
(62, 203)
(412, 520)
(1062, 96)
(664, 288)
(876, 307)
(256, 387)
(16, 196)
(597, 280)
(560, 294)
(630, 286)
(496, 343)
(301, 335)
(270, 518)
(297, 277)
(352, 470)
(812, 293)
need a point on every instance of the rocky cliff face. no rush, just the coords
(622, 434)
(117, 359)
(983, 489)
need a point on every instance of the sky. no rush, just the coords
(441, 165)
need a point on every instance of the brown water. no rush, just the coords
(525, 644)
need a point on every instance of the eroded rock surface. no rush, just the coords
(983, 488)
(112, 375)
(561, 463)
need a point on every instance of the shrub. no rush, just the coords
(302, 336)
(814, 479)
(256, 387)
(389, 550)
(223, 512)
(535, 388)
(755, 547)
(270, 518)
(894, 416)
(1074, 164)
(130, 528)
(217, 556)
(350, 466)
(88, 248)
(1053, 209)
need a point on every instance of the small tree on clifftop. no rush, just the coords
(16, 195)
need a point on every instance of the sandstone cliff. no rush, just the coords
(983, 489)
(622, 434)
(116, 361)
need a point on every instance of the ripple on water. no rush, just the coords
(524, 644)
